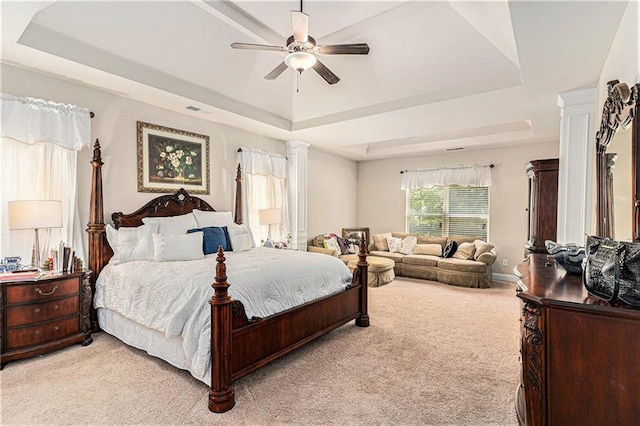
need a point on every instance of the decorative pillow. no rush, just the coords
(168, 247)
(346, 246)
(481, 247)
(332, 243)
(214, 236)
(449, 249)
(206, 219)
(432, 249)
(173, 224)
(394, 244)
(240, 237)
(131, 244)
(408, 243)
(380, 241)
(465, 251)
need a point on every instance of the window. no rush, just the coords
(448, 210)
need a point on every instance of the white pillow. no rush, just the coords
(332, 243)
(408, 243)
(167, 247)
(173, 224)
(240, 237)
(131, 244)
(395, 244)
(206, 219)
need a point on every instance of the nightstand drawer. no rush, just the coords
(42, 290)
(28, 314)
(30, 336)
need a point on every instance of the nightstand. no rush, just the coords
(41, 315)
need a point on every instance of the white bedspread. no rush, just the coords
(172, 297)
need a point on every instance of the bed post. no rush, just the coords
(238, 213)
(95, 227)
(221, 394)
(363, 319)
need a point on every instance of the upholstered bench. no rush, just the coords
(380, 270)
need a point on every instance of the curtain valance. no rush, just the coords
(30, 121)
(461, 176)
(257, 162)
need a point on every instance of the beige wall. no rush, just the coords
(382, 204)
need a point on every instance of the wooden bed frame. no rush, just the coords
(239, 345)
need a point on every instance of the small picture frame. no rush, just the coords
(170, 159)
(356, 234)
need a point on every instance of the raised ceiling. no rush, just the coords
(440, 75)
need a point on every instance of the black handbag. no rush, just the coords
(612, 270)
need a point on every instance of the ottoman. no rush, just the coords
(380, 270)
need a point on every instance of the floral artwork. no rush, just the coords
(170, 159)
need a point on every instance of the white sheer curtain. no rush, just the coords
(446, 176)
(38, 153)
(264, 177)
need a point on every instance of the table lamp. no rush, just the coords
(269, 217)
(35, 214)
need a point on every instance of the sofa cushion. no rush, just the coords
(380, 241)
(461, 238)
(462, 265)
(432, 249)
(465, 251)
(396, 257)
(488, 257)
(427, 239)
(481, 247)
(450, 249)
(421, 259)
(394, 244)
(408, 243)
(403, 235)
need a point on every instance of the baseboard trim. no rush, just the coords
(505, 277)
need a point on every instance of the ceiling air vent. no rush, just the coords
(454, 149)
(192, 108)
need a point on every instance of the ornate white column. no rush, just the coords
(577, 157)
(297, 183)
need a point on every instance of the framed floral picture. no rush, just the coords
(170, 159)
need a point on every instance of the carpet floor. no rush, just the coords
(433, 355)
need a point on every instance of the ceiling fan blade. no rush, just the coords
(345, 49)
(325, 73)
(276, 71)
(300, 24)
(249, 46)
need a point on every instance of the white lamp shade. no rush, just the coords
(35, 214)
(269, 216)
(300, 61)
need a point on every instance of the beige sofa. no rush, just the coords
(474, 272)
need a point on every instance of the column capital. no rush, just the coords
(577, 97)
(297, 146)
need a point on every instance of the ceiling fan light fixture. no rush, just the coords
(300, 61)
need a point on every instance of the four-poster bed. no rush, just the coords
(239, 345)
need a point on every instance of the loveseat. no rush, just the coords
(421, 256)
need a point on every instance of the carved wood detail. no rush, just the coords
(85, 310)
(532, 359)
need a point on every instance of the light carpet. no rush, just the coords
(433, 355)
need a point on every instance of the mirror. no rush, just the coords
(617, 164)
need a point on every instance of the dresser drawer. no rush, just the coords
(42, 290)
(28, 314)
(30, 336)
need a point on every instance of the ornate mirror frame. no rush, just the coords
(620, 109)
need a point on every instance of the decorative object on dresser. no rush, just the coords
(35, 214)
(44, 313)
(579, 354)
(569, 255)
(170, 159)
(543, 204)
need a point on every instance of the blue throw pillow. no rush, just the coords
(214, 236)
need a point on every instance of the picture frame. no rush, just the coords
(170, 159)
(356, 234)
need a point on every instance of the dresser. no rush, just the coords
(543, 204)
(39, 316)
(580, 356)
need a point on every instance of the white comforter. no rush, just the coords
(172, 297)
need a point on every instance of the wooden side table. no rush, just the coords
(41, 315)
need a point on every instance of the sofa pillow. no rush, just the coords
(481, 247)
(173, 224)
(332, 243)
(449, 249)
(171, 247)
(213, 237)
(432, 249)
(408, 243)
(394, 244)
(346, 246)
(465, 251)
(129, 244)
(206, 219)
(380, 241)
(240, 237)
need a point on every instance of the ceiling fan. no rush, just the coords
(302, 50)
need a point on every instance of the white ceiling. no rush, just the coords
(440, 74)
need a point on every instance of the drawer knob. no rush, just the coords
(55, 307)
(41, 293)
(56, 328)
(36, 310)
(37, 332)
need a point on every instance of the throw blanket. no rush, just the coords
(172, 297)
